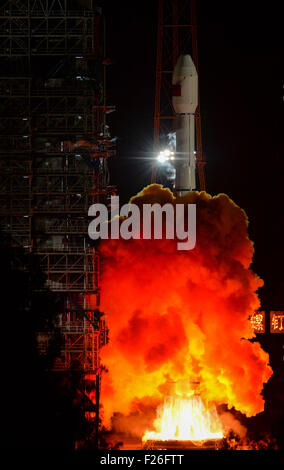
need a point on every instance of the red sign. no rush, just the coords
(276, 322)
(258, 322)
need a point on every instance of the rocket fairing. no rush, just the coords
(185, 101)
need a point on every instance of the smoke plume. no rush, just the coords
(178, 320)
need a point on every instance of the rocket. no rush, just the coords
(185, 101)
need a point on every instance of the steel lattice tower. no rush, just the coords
(54, 144)
(177, 34)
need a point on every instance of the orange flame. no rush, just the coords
(185, 419)
(176, 316)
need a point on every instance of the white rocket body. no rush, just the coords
(185, 101)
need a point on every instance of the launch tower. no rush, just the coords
(177, 35)
(54, 146)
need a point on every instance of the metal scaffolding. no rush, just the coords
(54, 145)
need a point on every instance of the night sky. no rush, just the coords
(241, 78)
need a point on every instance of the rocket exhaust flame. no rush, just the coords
(185, 419)
(174, 315)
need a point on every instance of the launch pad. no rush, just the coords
(211, 444)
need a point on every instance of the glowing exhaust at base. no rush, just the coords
(185, 419)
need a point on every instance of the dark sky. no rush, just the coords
(241, 77)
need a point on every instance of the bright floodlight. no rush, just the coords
(165, 155)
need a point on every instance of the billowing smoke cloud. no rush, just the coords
(230, 423)
(179, 319)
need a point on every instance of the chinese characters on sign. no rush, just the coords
(276, 322)
(258, 322)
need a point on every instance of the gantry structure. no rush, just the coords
(176, 35)
(54, 146)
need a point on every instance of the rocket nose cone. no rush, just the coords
(184, 68)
